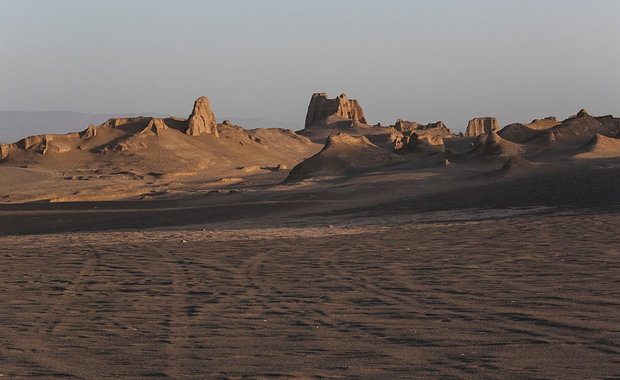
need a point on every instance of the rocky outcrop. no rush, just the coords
(4, 151)
(481, 125)
(156, 126)
(405, 126)
(44, 144)
(202, 119)
(322, 110)
(419, 142)
(89, 132)
(542, 124)
(613, 123)
(436, 129)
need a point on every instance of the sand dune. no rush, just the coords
(600, 146)
(341, 154)
(516, 165)
(494, 145)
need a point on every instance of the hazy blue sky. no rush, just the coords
(419, 60)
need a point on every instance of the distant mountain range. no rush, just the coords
(15, 125)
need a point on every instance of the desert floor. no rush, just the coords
(494, 293)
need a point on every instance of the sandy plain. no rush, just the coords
(380, 298)
(318, 282)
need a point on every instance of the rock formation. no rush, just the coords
(436, 129)
(404, 125)
(481, 125)
(202, 119)
(156, 126)
(322, 110)
(542, 124)
(89, 132)
(419, 142)
(4, 151)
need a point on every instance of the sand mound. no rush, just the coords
(342, 154)
(494, 145)
(600, 146)
(515, 165)
(518, 133)
(521, 133)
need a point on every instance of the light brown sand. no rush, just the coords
(527, 296)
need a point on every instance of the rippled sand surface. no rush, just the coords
(523, 296)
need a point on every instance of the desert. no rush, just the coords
(313, 190)
(489, 254)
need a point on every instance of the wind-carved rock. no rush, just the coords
(481, 126)
(322, 110)
(419, 142)
(435, 129)
(4, 151)
(404, 125)
(156, 126)
(202, 119)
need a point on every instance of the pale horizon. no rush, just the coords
(414, 60)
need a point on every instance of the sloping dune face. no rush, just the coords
(516, 165)
(494, 145)
(600, 146)
(342, 153)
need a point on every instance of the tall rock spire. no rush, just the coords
(202, 119)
